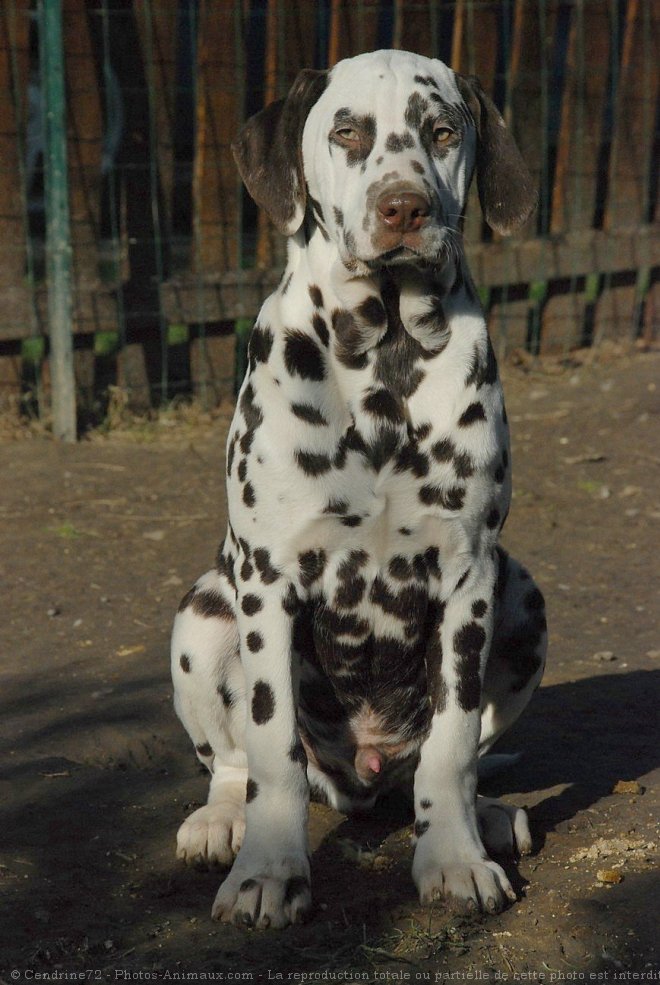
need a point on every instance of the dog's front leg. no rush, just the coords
(450, 859)
(269, 884)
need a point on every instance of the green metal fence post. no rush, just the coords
(58, 234)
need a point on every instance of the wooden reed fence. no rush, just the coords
(170, 260)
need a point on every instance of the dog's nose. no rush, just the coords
(403, 212)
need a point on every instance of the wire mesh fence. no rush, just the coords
(170, 260)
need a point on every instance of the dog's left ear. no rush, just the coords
(506, 188)
(268, 152)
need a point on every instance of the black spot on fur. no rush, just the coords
(251, 790)
(339, 216)
(468, 644)
(443, 450)
(426, 80)
(313, 463)
(204, 749)
(348, 339)
(381, 403)
(321, 329)
(353, 520)
(400, 568)
(464, 465)
(210, 604)
(249, 497)
(493, 518)
(286, 280)
(246, 570)
(184, 661)
(411, 459)
(425, 804)
(290, 602)
(450, 499)
(416, 166)
(312, 566)
(302, 356)
(432, 561)
(266, 571)
(242, 470)
(479, 608)
(337, 507)
(475, 412)
(421, 827)
(255, 641)
(251, 604)
(350, 591)
(226, 695)
(316, 296)
(371, 311)
(263, 703)
(309, 414)
(259, 346)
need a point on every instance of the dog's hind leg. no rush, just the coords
(209, 698)
(513, 672)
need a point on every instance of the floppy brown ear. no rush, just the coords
(506, 188)
(268, 152)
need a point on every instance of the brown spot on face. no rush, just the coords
(417, 167)
(415, 110)
(397, 142)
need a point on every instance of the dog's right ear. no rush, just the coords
(268, 152)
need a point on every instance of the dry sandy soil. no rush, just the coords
(97, 544)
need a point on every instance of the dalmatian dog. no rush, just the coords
(361, 628)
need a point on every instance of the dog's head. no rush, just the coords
(382, 149)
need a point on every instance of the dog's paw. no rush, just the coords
(212, 835)
(265, 892)
(467, 886)
(504, 829)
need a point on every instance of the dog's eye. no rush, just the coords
(442, 134)
(347, 135)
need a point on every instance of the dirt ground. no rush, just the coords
(99, 541)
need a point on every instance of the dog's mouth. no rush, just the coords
(397, 256)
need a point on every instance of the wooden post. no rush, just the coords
(573, 206)
(58, 235)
